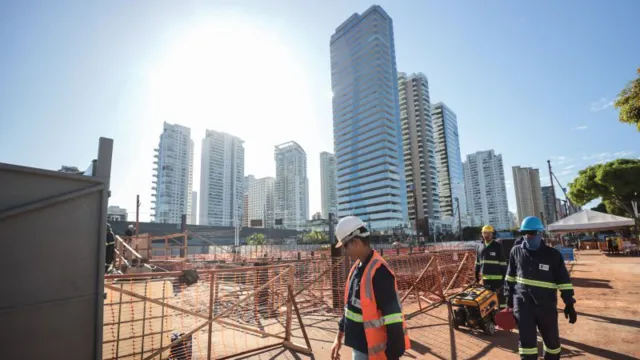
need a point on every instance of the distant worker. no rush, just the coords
(130, 231)
(491, 264)
(110, 244)
(372, 324)
(534, 275)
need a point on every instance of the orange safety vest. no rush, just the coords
(374, 323)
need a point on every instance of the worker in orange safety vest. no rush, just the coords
(372, 324)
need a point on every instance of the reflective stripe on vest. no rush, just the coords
(491, 277)
(371, 318)
(536, 283)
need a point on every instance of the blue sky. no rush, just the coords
(532, 80)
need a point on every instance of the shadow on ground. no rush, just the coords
(591, 283)
(626, 322)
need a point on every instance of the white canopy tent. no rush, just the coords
(590, 220)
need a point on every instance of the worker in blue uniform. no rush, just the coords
(491, 264)
(534, 275)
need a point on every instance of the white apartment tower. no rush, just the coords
(328, 188)
(248, 180)
(486, 190)
(292, 186)
(418, 148)
(449, 163)
(221, 180)
(173, 178)
(261, 203)
(526, 182)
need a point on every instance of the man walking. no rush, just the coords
(534, 275)
(372, 324)
(491, 264)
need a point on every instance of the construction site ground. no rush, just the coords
(607, 293)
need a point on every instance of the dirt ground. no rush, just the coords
(608, 327)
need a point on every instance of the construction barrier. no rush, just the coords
(209, 314)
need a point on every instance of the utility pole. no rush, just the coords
(553, 191)
(459, 218)
(137, 214)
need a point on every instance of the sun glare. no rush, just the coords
(230, 76)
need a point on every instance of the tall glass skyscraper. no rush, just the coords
(366, 121)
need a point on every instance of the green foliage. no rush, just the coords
(471, 232)
(600, 208)
(628, 103)
(615, 182)
(256, 239)
(315, 237)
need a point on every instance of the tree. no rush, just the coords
(615, 182)
(628, 103)
(256, 239)
(315, 237)
(471, 232)
(600, 208)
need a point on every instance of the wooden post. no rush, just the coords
(137, 215)
(211, 302)
(291, 272)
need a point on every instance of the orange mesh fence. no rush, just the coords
(211, 314)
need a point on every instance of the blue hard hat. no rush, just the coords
(531, 223)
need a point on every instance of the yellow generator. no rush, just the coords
(475, 308)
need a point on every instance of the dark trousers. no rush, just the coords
(532, 317)
(109, 257)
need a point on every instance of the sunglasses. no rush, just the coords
(532, 233)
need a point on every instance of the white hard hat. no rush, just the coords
(349, 227)
(131, 226)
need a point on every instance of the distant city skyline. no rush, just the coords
(156, 63)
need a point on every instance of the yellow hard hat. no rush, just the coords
(487, 228)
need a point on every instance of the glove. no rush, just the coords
(478, 278)
(486, 286)
(570, 313)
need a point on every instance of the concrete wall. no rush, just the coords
(52, 234)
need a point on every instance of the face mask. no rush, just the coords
(532, 243)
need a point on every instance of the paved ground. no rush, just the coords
(608, 327)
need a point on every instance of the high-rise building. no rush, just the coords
(291, 186)
(248, 181)
(173, 178)
(526, 182)
(418, 148)
(116, 213)
(221, 180)
(366, 121)
(193, 220)
(514, 220)
(486, 190)
(261, 202)
(449, 163)
(328, 190)
(549, 203)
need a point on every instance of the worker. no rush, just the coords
(130, 231)
(491, 264)
(534, 274)
(372, 324)
(110, 244)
